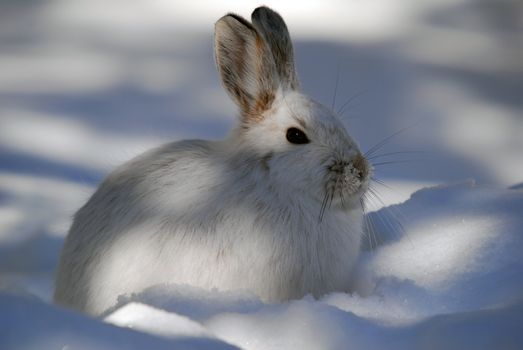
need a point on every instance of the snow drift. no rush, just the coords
(451, 279)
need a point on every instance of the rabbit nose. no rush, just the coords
(360, 164)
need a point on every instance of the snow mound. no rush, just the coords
(149, 319)
(27, 323)
(452, 279)
(193, 302)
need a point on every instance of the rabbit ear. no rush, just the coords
(273, 29)
(246, 66)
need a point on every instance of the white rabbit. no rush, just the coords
(273, 209)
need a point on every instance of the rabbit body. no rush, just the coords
(254, 211)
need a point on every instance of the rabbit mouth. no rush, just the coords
(344, 190)
(345, 185)
(343, 199)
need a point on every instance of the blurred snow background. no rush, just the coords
(85, 85)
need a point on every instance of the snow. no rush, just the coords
(453, 280)
(85, 86)
(27, 323)
(149, 319)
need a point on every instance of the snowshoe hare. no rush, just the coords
(273, 209)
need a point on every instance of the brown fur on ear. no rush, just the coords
(246, 66)
(272, 27)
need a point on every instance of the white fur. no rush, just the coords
(242, 213)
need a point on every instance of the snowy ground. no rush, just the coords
(85, 85)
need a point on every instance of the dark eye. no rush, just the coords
(296, 136)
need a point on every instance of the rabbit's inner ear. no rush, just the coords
(272, 27)
(246, 66)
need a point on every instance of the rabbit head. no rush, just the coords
(301, 145)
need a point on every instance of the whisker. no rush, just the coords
(343, 107)
(397, 162)
(391, 220)
(336, 85)
(383, 142)
(394, 153)
(379, 182)
(384, 224)
(331, 199)
(371, 229)
(342, 198)
(366, 225)
(323, 205)
(376, 193)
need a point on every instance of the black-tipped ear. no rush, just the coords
(272, 27)
(245, 65)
